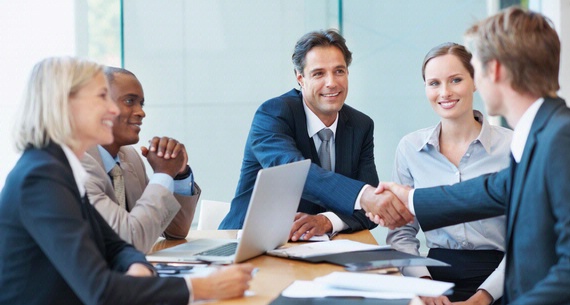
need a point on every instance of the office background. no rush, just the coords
(206, 66)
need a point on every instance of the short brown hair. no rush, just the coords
(451, 48)
(525, 43)
(318, 39)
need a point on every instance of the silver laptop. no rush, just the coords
(274, 202)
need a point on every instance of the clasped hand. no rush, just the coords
(166, 155)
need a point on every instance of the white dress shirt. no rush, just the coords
(314, 125)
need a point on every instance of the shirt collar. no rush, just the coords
(484, 136)
(79, 173)
(314, 124)
(108, 160)
(521, 131)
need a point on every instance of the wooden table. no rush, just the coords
(275, 273)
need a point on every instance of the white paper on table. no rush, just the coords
(390, 283)
(324, 248)
(312, 289)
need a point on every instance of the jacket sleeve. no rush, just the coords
(65, 233)
(273, 144)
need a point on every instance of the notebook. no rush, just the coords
(272, 207)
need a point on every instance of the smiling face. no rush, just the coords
(449, 87)
(324, 82)
(127, 93)
(93, 114)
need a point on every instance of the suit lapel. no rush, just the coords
(305, 144)
(520, 173)
(343, 146)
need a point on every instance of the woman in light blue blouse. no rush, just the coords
(463, 145)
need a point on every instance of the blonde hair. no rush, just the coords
(44, 112)
(525, 43)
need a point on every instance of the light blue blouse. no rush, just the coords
(420, 164)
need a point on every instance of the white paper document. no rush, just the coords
(312, 289)
(324, 248)
(385, 283)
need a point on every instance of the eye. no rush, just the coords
(340, 71)
(317, 74)
(433, 83)
(129, 101)
(456, 80)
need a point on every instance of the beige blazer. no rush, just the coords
(154, 211)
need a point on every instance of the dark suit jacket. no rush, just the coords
(279, 135)
(56, 249)
(535, 195)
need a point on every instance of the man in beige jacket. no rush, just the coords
(162, 205)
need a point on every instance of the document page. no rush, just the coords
(324, 248)
(385, 283)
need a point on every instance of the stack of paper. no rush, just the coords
(367, 285)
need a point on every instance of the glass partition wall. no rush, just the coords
(207, 65)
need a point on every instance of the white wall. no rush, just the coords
(559, 12)
(29, 31)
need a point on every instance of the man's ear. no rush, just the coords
(300, 79)
(495, 70)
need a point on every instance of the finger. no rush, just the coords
(379, 189)
(177, 149)
(153, 143)
(169, 148)
(294, 228)
(309, 234)
(144, 151)
(161, 147)
(298, 215)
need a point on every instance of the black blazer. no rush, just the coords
(278, 135)
(56, 249)
(535, 196)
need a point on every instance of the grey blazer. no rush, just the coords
(153, 210)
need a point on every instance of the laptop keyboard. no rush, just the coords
(223, 250)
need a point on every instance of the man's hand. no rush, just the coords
(309, 225)
(384, 208)
(166, 155)
(228, 282)
(481, 297)
(138, 269)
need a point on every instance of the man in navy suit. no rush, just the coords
(285, 129)
(516, 56)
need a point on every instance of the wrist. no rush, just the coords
(327, 224)
(483, 297)
(185, 174)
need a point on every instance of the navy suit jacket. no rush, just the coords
(278, 135)
(535, 196)
(56, 249)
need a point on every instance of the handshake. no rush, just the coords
(387, 205)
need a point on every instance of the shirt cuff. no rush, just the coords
(337, 223)
(411, 202)
(164, 180)
(494, 283)
(185, 187)
(357, 203)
